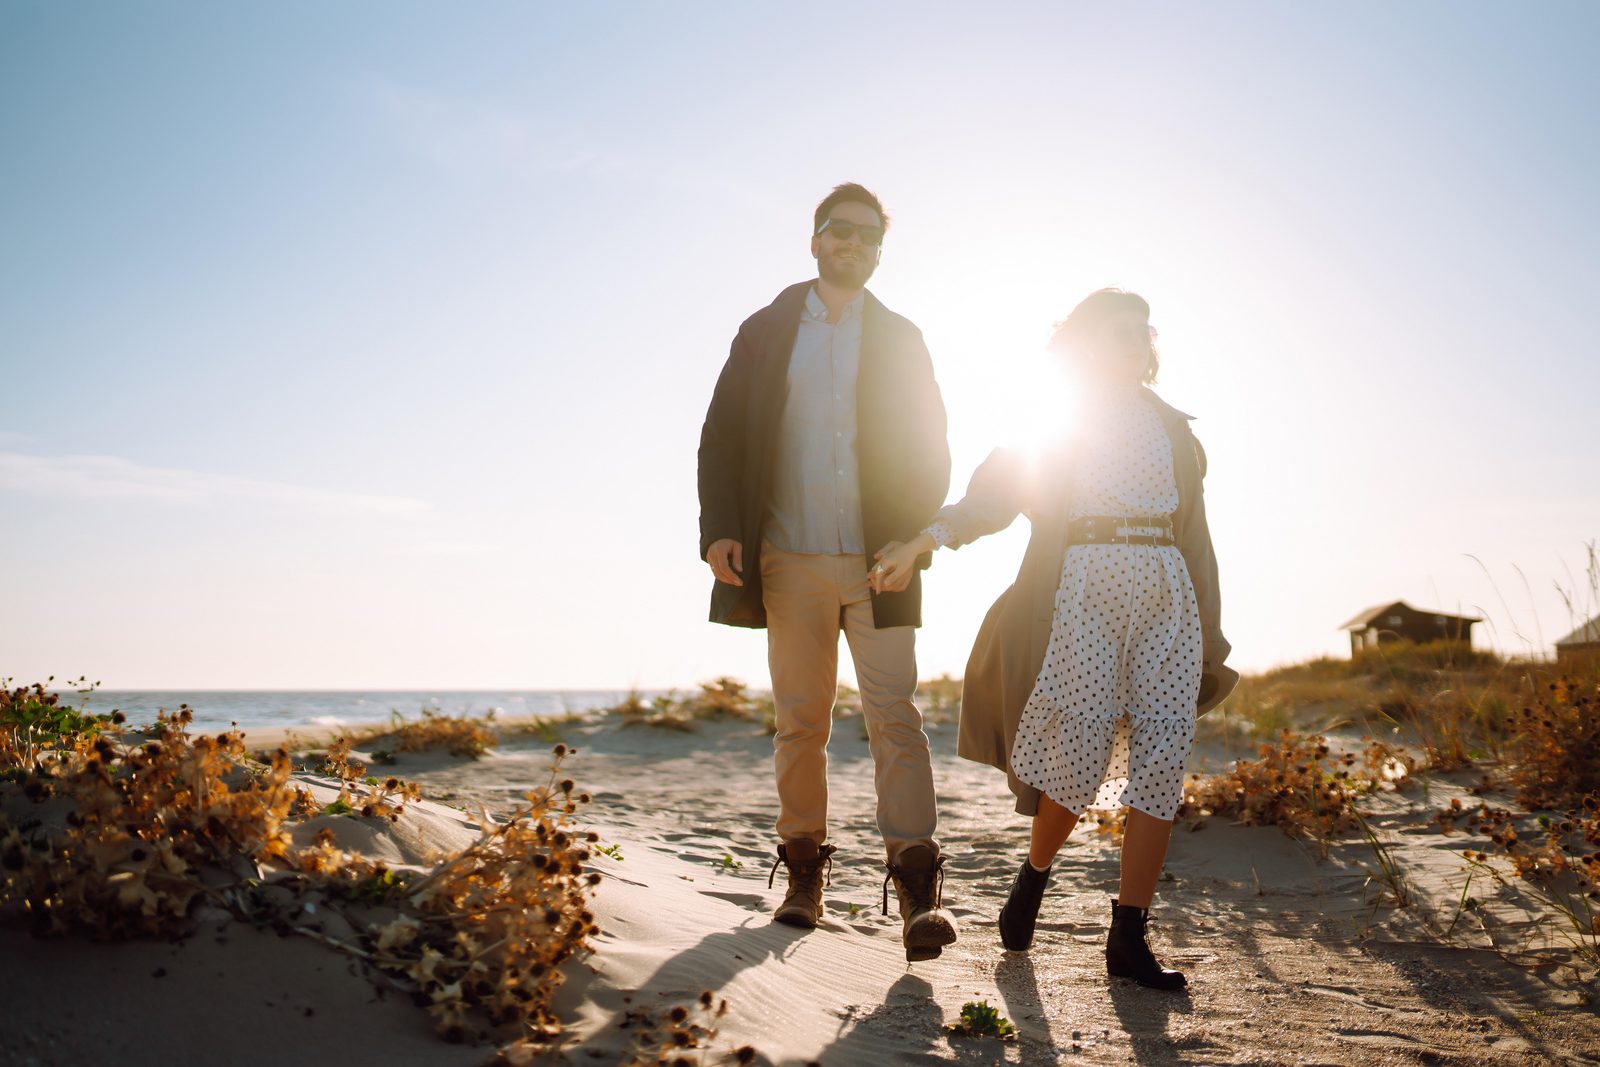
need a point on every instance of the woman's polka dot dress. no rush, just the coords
(1112, 715)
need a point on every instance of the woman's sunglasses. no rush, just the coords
(1132, 331)
(870, 235)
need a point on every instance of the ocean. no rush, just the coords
(214, 710)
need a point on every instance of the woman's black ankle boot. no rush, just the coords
(1022, 907)
(1127, 954)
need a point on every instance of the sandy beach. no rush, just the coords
(1290, 959)
(372, 368)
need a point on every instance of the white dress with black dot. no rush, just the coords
(1112, 715)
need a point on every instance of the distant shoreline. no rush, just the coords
(257, 710)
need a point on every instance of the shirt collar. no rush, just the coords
(817, 311)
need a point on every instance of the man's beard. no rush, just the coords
(846, 275)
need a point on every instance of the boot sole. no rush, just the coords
(1148, 985)
(794, 918)
(927, 939)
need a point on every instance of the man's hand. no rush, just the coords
(727, 560)
(897, 563)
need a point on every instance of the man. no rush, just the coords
(824, 442)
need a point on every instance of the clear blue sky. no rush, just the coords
(368, 344)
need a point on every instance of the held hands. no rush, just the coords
(896, 564)
(727, 560)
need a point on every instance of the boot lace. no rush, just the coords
(803, 876)
(925, 890)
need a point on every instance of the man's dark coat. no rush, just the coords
(900, 444)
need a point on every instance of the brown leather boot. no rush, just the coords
(918, 877)
(805, 859)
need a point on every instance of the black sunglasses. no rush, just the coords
(870, 235)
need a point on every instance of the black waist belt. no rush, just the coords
(1120, 530)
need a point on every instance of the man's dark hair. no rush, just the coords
(847, 193)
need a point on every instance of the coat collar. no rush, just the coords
(1166, 410)
(789, 304)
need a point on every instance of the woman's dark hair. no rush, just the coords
(849, 192)
(1083, 324)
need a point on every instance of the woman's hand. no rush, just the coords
(897, 562)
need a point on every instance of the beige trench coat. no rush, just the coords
(1009, 652)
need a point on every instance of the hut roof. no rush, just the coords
(1588, 633)
(1366, 617)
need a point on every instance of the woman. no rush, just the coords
(1089, 671)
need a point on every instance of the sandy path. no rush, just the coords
(1285, 967)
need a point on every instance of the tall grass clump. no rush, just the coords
(719, 700)
(939, 698)
(459, 735)
(1452, 701)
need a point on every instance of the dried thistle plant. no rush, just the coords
(145, 825)
(151, 824)
(32, 717)
(681, 1036)
(1555, 751)
(1299, 785)
(1558, 856)
(483, 935)
(1111, 824)
(1554, 766)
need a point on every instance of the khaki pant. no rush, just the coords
(809, 599)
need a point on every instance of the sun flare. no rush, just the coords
(1032, 405)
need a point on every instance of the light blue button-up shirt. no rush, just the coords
(816, 495)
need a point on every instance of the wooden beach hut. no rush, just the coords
(1585, 638)
(1399, 621)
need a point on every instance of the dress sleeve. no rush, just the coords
(1194, 541)
(995, 496)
